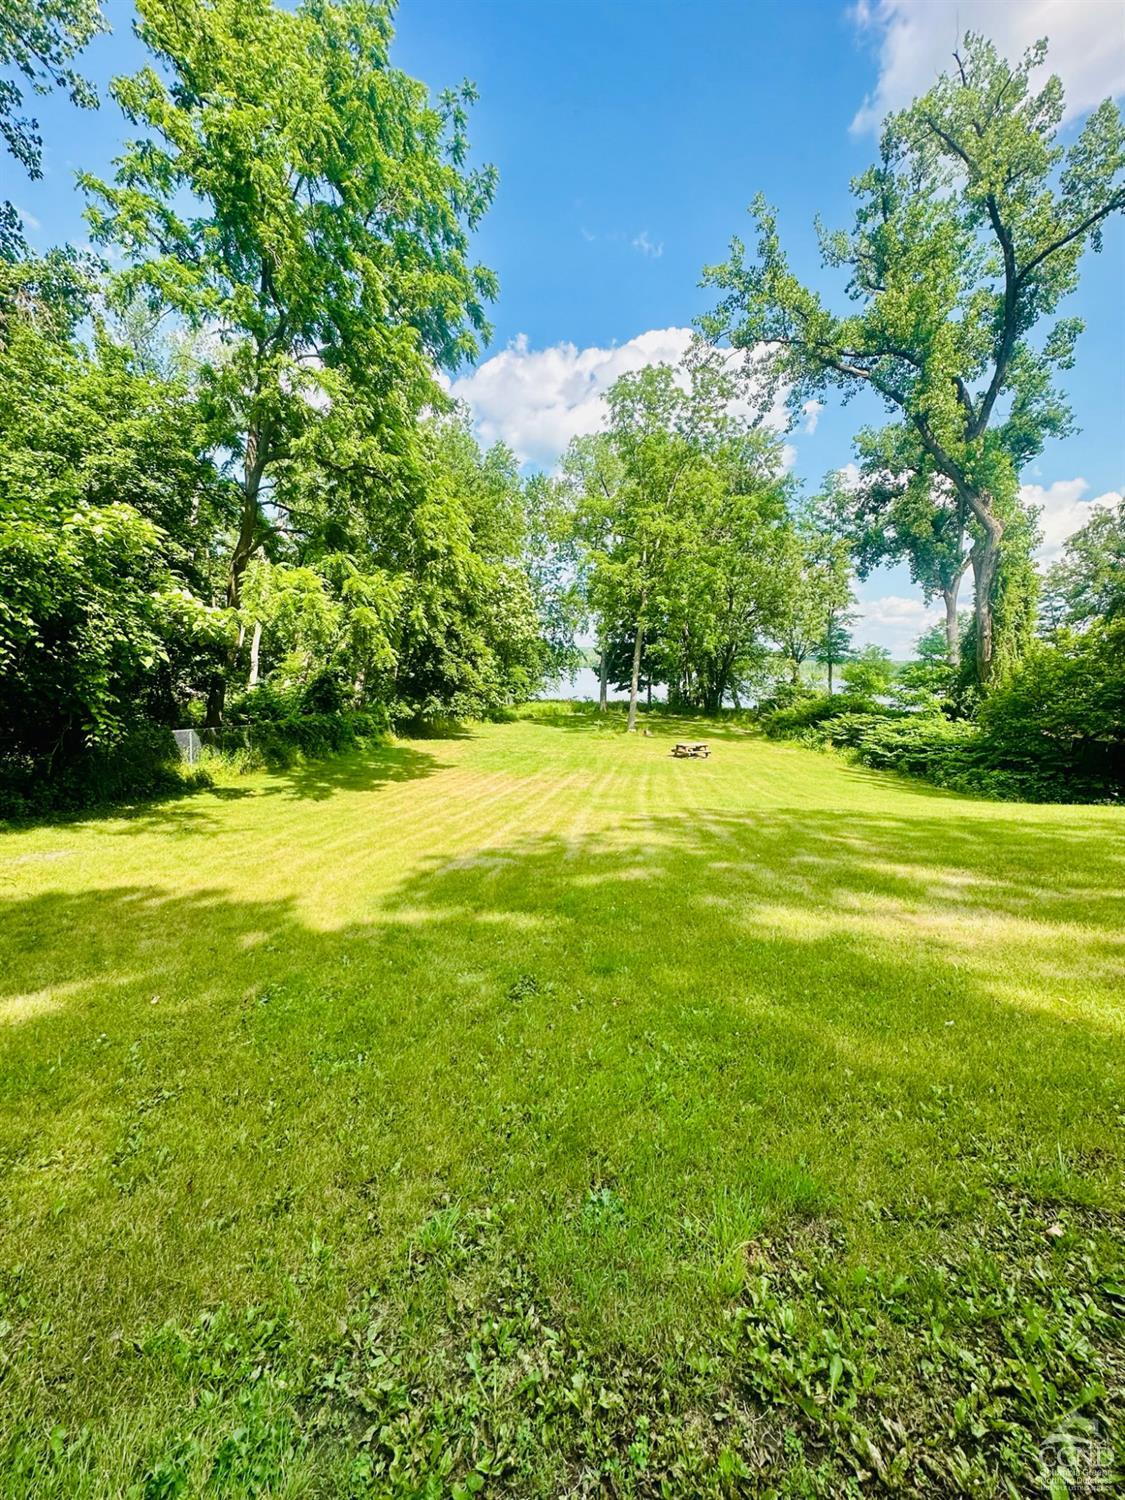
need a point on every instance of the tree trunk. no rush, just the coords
(254, 466)
(986, 559)
(638, 641)
(255, 647)
(830, 676)
(603, 677)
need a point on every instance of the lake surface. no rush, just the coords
(584, 684)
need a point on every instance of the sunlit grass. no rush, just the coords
(369, 1043)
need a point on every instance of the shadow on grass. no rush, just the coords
(819, 934)
(184, 808)
(352, 770)
(800, 1012)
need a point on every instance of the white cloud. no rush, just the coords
(811, 412)
(917, 38)
(1063, 511)
(893, 621)
(641, 242)
(29, 221)
(536, 400)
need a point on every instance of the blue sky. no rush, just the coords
(630, 136)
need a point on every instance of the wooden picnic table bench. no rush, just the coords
(685, 748)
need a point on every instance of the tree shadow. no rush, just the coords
(355, 770)
(809, 1013)
(352, 771)
(816, 934)
(187, 809)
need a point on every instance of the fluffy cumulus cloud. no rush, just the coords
(916, 38)
(536, 400)
(894, 621)
(1063, 510)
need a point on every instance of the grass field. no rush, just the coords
(531, 1113)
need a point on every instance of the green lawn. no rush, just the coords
(531, 1113)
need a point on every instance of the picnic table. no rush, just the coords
(686, 748)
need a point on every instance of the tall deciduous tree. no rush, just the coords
(108, 503)
(633, 483)
(299, 194)
(592, 476)
(968, 233)
(828, 563)
(733, 573)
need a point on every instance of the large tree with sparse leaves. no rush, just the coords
(968, 234)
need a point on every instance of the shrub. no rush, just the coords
(869, 673)
(801, 720)
(919, 745)
(262, 704)
(1059, 720)
(323, 695)
(143, 763)
(277, 743)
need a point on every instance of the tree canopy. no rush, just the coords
(968, 233)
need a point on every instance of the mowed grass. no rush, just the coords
(532, 1113)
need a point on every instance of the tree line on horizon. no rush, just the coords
(233, 488)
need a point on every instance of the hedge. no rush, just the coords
(985, 759)
(277, 743)
(145, 763)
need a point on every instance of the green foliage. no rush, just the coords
(107, 495)
(968, 233)
(277, 494)
(473, 616)
(290, 730)
(327, 240)
(930, 681)
(1058, 721)
(1088, 581)
(869, 673)
(38, 41)
(144, 762)
(686, 550)
(1052, 732)
(804, 718)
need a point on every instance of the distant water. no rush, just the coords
(584, 684)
